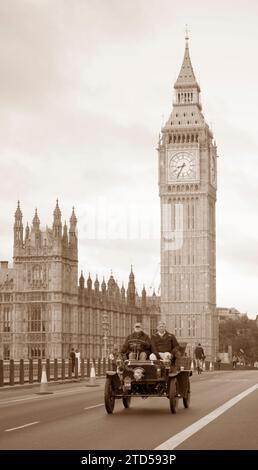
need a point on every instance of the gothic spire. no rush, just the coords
(73, 221)
(18, 213)
(89, 283)
(57, 224)
(18, 227)
(96, 284)
(131, 290)
(143, 297)
(81, 281)
(57, 212)
(103, 286)
(36, 221)
(131, 276)
(186, 77)
(123, 292)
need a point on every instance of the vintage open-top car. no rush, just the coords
(150, 378)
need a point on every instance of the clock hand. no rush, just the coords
(181, 167)
(177, 168)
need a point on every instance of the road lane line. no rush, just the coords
(24, 426)
(177, 439)
(2, 402)
(94, 406)
(38, 397)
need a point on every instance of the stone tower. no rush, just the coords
(45, 286)
(187, 189)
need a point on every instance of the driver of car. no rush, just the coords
(164, 345)
(137, 345)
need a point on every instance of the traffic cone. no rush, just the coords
(92, 381)
(43, 390)
(192, 365)
(211, 366)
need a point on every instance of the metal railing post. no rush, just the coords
(21, 372)
(11, 372)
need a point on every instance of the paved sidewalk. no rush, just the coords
(83, 381)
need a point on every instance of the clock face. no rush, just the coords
(182, 167)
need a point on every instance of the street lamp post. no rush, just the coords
(105, 328)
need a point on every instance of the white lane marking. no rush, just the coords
(16, 400)
(19, 427)
(38, 397)
(176, 440)
(94, 406)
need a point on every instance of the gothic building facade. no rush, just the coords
(187, 189)
(43, 310)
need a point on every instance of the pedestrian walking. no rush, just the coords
(199, 356)
(234, 360)
(72, 357)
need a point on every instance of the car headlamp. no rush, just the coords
(138, 373)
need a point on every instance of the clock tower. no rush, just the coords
(187, 189)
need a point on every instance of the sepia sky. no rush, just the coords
(85, 86)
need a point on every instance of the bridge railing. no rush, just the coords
(29, 371)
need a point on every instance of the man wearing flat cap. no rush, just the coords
(137, 345)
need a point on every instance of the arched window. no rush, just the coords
(37, 273)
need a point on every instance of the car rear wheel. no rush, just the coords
(173, 400)
(126, 402)
(109, 397)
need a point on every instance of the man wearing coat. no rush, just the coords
(163, 344)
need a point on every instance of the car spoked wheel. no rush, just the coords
(173, 399)
(109, 397)
(186, 399)
(126, 402)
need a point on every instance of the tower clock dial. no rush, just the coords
(182, 166)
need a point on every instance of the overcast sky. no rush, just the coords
(84, 88)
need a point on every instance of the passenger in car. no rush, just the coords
(137, 345)
(164, 345)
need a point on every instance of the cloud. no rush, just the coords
(83, 86)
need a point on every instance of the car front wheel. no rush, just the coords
(186, 399)
(126, 402)
(109, 397)
(173, 400)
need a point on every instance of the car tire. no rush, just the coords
(173, 399)
(186, 399)
(109, 398)
(126, 402)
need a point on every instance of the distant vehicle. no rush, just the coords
(157, 378)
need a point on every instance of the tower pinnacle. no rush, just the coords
(186, 77)
(186, 34)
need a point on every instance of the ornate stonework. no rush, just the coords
(187, 188)
(43, 311)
